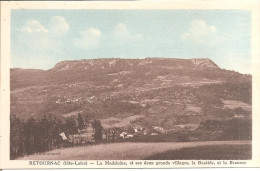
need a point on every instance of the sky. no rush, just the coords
(42, 38)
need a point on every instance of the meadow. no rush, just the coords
(141, 151)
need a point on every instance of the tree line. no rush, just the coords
(232, 129)
(40, 135)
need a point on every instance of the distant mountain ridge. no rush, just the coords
(110, 62)
(86, 69)
(63, 65)
(115, 87)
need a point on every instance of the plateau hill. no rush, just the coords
(152, 91)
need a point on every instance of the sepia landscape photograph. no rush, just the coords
(130, 84)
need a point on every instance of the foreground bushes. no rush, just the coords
(43, 134)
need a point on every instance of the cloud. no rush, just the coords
(122, 35)
(35, 37)
(200, 32)
(35, 44)
(58, 26)
(33, 26)
(89, 39)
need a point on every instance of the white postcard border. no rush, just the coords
(6, 7)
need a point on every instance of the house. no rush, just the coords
(63, 136)
(180, 126)
(238, 116)
(158, 129)
(138, 128)
(123, 134)
(154, 133)
(126, 135)
(74, 100)
(145, 132)
(129, 136)
(58, 101)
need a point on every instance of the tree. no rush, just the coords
(71, 126)
(30, 131)
(44, 131)
(96, 125)
(16, 137)
(80, 122)
(55, 134)
(114, 132)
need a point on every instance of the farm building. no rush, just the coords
(123, 134)
(158, 129)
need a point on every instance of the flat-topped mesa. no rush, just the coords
(197, 62)
(83, 63)
(118, 62)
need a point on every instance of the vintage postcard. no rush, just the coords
(130, 84)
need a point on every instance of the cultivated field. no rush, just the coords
(116, 122)
(232, 104)
(130, 151)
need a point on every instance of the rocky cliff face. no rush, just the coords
(204, 63)
(129, 63)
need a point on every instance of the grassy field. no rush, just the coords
(116, 122)
(132, 151)
(212, 152)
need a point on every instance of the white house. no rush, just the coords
(123, 134)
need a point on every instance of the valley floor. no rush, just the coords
(213, 150)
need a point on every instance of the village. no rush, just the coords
(86, 135)
(90, 134)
